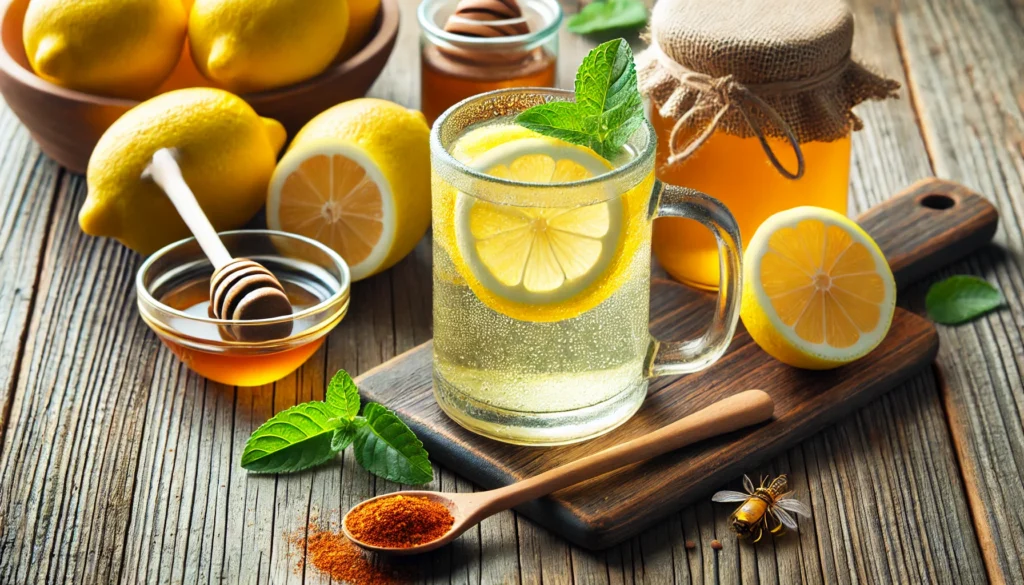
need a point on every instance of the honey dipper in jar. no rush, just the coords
(475, 46)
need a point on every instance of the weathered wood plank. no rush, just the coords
(28, 181)
(964, 60)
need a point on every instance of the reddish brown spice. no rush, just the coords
(334, 555)
(399, 521)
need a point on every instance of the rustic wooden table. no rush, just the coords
(118, 465)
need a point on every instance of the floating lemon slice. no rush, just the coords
(543, 263)
(818, 292)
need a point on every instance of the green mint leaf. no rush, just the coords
(961, 298)
(343, 396)
(608, 106)
(292, 440)
(344, 435)
(560, 120)
(609, 15)
(387, 448)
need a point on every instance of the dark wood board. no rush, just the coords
(932, 223)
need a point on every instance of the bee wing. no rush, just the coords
(784, 517)
(728, 496)
(747, 484)
(793, 505)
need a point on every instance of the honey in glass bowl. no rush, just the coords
(174, 298)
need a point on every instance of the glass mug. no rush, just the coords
(542, 275)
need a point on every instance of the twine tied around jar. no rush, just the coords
(766, 69)
(725, 93)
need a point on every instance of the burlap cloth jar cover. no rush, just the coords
(764, 68)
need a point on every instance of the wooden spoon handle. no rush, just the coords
(165, 172)
(726, 415)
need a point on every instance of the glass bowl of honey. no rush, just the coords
(173, 290)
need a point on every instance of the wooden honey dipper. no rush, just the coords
(487, 18)
(240, 289)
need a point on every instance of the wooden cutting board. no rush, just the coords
(931, 224)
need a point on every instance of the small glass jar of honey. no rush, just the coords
(752, 103)
(173, 290)
(469, 47)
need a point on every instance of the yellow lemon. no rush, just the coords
(817, 292)
(357, 178)
(547, 261)
(253, 45)
(120, 48)
(226, 152)
(361, 16)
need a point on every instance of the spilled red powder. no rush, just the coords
(334, 555)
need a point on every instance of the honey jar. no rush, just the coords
(469, 47)
(752, 103)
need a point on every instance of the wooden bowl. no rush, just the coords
(67, 123)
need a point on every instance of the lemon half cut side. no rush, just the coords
(333, 192)
(818, 292)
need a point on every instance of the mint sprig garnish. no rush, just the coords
(961, 298)
(312, 433)
(608, 106)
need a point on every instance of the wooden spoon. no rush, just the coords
(240, 289)
(726, 415)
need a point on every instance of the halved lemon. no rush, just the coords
(357, 178)
(546, 261)
(818, 292)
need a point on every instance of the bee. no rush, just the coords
(772, 501)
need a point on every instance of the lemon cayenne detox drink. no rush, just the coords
(543, 299)
(543, 202)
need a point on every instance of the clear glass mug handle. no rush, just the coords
(680, 357)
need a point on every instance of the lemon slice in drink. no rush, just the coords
(818, 292)
(544, 262)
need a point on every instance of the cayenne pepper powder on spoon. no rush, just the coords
(399, 521)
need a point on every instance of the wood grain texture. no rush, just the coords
(117, 465)
(967, 85)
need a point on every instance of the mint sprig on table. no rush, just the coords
(961, 298)
(312, 433)
(608, 106)
(607, 15)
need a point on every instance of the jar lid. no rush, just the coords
(779, 68)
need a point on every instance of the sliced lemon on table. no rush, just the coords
(818, 292)
(546, 261)
(356, 178)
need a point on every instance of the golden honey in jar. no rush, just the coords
(469, 47)
(751, 101)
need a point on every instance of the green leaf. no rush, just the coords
(343, 396)
(292, 440)
(387, 448)
(608, 106)
(961, 298)
(344, 435)
(560, 120)
(609, 15)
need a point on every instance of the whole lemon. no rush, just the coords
(120, 48)
(226, 153)
(361, 16)
(253, 45)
